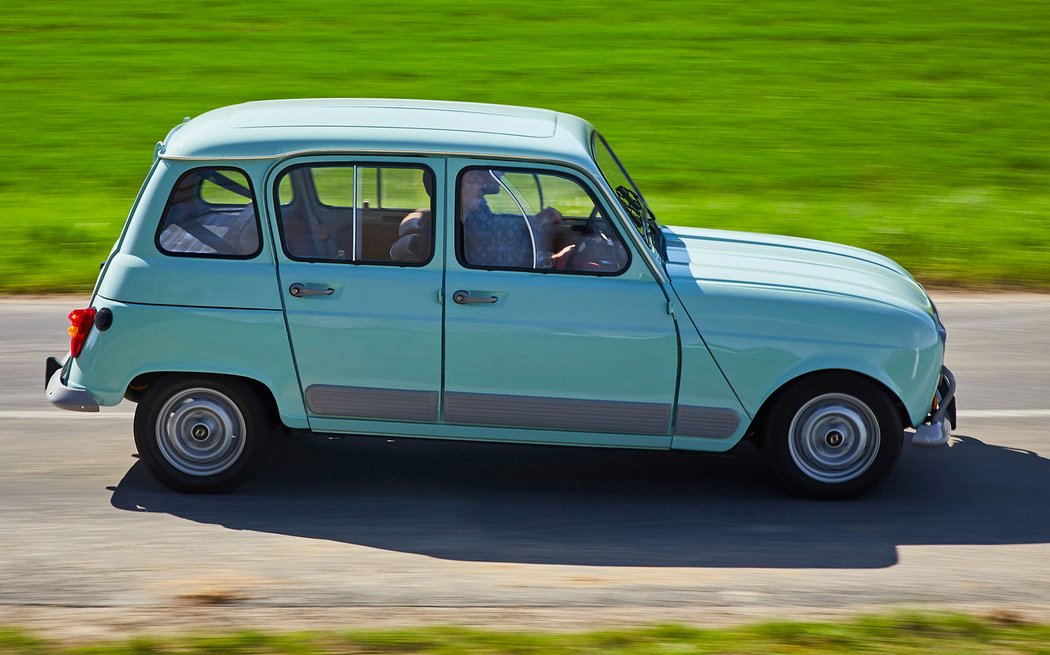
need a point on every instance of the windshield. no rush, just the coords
(627, 193)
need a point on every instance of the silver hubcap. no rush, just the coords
(200, 432)
(834, 438)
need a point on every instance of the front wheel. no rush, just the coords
(834, 436)
(201, 435)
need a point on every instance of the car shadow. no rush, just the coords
(550, 505)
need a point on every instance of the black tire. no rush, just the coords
(833, 436)
(202, 434)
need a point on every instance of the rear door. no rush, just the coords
(360, 277)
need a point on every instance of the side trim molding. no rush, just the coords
(365, 402)
(556, 413)
(711, 422)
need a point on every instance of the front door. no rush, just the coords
(360, 278)
(555, 331)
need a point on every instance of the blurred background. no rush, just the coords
(918, 130)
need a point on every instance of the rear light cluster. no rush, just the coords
(80, 322)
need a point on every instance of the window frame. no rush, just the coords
(280, 175)
(536, 171)
(208, 255)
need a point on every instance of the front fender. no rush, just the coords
(763, 338)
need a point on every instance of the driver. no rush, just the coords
(491, 239)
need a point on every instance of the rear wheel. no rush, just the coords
(833, 436)
(201, 435)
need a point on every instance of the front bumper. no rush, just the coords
(938, 426)
(61, 396)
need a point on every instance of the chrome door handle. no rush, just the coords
(299, 290)
(462, 297)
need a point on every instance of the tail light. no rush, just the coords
(80, 321)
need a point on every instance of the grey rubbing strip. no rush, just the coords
(363, 402)
(556, 413)
(713, 422)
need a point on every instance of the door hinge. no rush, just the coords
(441, 296)
(670, 308)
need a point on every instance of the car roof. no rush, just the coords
(277, 128)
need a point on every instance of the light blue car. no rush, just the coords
(481, 272)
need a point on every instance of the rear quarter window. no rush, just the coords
(211, 212)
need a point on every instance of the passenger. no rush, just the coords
(414, 232)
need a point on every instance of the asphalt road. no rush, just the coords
(363, 531)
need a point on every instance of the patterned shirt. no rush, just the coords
(496, 239)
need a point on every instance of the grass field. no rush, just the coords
(895, 635)
(915, 129)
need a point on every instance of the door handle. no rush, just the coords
(299, 290)
(462, 297)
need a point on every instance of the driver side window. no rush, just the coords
(514, 219)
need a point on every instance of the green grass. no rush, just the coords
(887, 635)
(919, 130)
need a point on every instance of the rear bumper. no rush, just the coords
(63, 397)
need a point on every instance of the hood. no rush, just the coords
(772, 309)
(716, 257)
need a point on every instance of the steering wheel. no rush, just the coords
(591, 226)
(590, 232)
(591, 217)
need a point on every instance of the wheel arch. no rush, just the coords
(143, 381)
(755, 431)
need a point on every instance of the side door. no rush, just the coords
(555, 331)
(360, 277)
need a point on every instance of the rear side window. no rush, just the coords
(210, 213)
(357, 213)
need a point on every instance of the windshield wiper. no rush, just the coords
(655, 234)
(643, 217)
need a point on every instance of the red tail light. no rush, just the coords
(80, 321)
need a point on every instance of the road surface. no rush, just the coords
(356, 532)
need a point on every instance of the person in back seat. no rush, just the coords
(416, 230)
